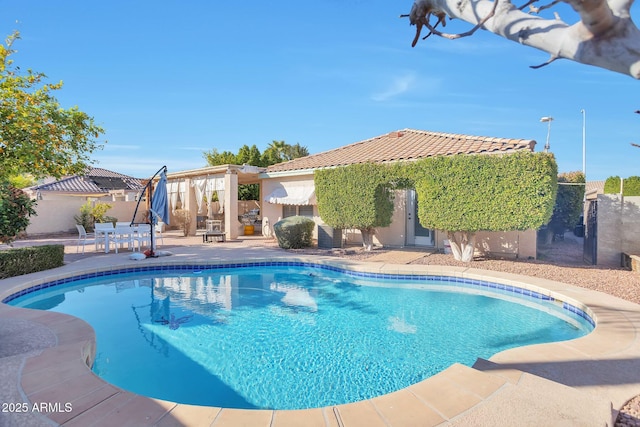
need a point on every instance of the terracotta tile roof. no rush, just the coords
(403, 145)
(95, 181)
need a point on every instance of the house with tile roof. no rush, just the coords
(59, 200)
(404, 145)
(287, 189)
(96, 184)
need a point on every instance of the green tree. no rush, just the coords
(249, 155)
(569, 202)
(355, 196)
(215, 158)
(22, 181)
(631, 186)
(295, 151)
(36, 134)
(464, 194)
(276, 152)
(15, 210)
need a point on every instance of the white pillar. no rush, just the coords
(190, 204)
(231, 223)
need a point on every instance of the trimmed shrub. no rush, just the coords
(19, 261)
(294, 232)
(356, 196)
(631, 186)
(569, 205)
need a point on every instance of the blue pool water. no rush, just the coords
(282, 337)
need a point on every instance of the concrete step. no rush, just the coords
(524, 400)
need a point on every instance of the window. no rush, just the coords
(289, 210)
(292, 210)
(305, 210)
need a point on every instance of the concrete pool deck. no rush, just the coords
(44, 361)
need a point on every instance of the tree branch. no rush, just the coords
(605, 36)
(465, 34)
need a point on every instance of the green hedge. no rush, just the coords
(294, 232)
(569, 202)
(631, 186)
(486, 193)
(355, 196)
(19, 261)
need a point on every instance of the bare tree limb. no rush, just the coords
(535, 67)
(523, 7)
(465, 34)
(605, 35)
(544, 7)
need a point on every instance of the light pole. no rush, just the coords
(547, 119)
(584, 143)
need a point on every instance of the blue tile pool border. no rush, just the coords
(358, 274)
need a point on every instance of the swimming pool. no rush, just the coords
(213, 335)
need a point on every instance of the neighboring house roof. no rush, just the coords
(404, 145)
(594, 187)
(95, 181)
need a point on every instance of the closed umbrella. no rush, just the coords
(160, 200)
(159, 205)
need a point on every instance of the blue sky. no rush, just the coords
(169, 80)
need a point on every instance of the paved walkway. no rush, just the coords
(44, 357)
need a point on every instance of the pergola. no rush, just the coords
(192, 187)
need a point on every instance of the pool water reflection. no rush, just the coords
(292, 337)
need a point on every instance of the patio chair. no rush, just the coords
(84, 238)
(122, 235)
(142, 236)
(159, 228)
(103, 234)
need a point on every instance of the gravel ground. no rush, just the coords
(560, 261)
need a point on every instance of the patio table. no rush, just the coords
(105, 229)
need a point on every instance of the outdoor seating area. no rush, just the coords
(123, 235)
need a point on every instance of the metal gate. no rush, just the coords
(590, 248)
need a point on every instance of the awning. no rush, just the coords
(293, 194)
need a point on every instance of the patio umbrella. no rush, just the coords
(160, 200)
(159, 205)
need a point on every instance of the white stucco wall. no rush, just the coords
(272, 213)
